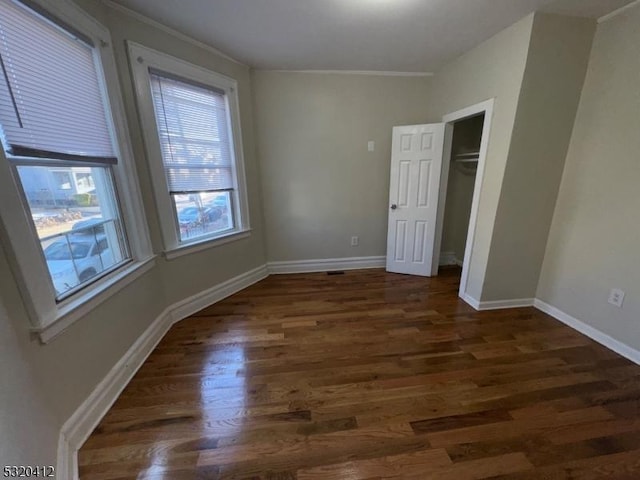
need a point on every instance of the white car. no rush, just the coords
(76, 259)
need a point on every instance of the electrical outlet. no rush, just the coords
(616, 297)
(371, 145)
(355, 241)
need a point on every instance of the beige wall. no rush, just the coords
(321, 186)
(494, 69)
(594, 238)
(67, 370)
(553, 79)
(28, 433)
(207, 268)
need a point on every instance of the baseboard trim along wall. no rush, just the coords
(593, 333)
(501, 304)
(449, 258)
(328, 264)
(470, 300)
(79, 426)
(497, 304)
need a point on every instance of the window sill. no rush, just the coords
(80, 306)
(206, 244)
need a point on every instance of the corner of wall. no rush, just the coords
(552, 83)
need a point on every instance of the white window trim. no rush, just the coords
(142, 58)
(49, 317)
(207, 244)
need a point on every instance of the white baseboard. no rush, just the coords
(497, 304)
(501, 304)
(591, 332)
(197, 302)
(326, 264)
(449, 258)
(79, 426)
(470, 300)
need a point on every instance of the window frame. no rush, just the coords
(49, 317)
(141, 59)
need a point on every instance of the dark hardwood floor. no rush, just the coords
(370, 375)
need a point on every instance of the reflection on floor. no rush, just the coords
(370, 375)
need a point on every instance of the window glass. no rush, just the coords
(62, 179)
(73, 223)
(203, 214)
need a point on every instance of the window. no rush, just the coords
(53, 120)
(191, 126)
(60, 146)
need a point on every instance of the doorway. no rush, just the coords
(421, 160)
(463, 167)
(460, 184)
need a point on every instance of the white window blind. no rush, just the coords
(51, 103)
(193, 128)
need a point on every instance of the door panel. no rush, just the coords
(423, 183)
(401, 235)
(416, 163)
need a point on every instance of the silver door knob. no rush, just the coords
(394, 206)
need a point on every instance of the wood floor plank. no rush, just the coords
(370, 375)
(425, 463)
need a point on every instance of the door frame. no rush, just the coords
(449, 119)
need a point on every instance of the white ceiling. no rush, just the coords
(383, 35)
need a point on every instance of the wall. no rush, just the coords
(494, 69)
(553, 79)
(321, 186)
(467, 135)
(64, 372)
(595, 234)
(35, 426)
(68, 368)
(206, 268)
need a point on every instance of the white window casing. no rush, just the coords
(109, 143)
(156, 73)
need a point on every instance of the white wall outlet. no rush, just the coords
(371, 145)
(355, 241)
(616, 297)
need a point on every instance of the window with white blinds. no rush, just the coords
(191, 125)
(51, 100)
(74, 222)
(194, 133)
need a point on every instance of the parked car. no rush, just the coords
(84, 227)
(189, 216)
(221, 201)
(76, 259)
(212, 213)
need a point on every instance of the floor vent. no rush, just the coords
(336, 272)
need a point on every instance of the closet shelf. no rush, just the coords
(471, 157)
(466, 160)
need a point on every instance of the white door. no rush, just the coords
(416, 165)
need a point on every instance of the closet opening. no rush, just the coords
(463, 167)
(466, 145)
